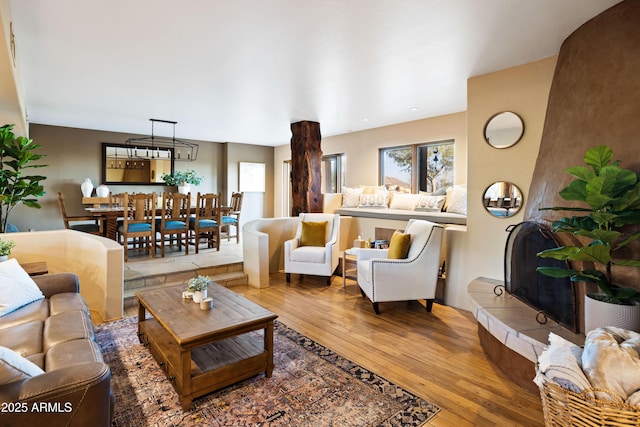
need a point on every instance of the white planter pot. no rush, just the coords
(598, 314)
(184, 189)
(4, 258)
(198, 296)
(86, 187)
(102, 191)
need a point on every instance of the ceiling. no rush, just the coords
(243, 70)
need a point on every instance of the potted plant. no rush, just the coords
(5, 249)
(610, 199)
(182, 179)
(198, 285)
(16, 155)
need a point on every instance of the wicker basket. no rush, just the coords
(566, 408)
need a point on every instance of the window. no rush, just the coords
(419, 167)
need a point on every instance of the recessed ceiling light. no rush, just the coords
(365, 120)
(414, 108)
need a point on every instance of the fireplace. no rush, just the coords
(553, 298)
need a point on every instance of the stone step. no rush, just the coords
(225, 275)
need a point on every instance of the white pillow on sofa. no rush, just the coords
(14, 367)
(374, 201)
(429, 203)
(351, 197)
(405, 201)
(16, 287)
(457, 200)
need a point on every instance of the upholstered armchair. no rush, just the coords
(310, 253)
(414, 277)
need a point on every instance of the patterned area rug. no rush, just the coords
(310, 386)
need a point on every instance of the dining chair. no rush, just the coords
(138, 222)
(173, 220)
(206, 222)
(96, 226)
(232, 217)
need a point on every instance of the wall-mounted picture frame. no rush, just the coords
(252, 177)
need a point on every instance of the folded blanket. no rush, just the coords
(611, 361)
(560, 363)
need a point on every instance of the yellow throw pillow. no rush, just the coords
(399, 245)
(313, 233)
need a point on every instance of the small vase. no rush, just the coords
(87, 188)
(4, 258)
(198, 296)
(184, 188)
(102, 191)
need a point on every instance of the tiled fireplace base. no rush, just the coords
(507, 321)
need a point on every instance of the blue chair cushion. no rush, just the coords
(136, 228)
(204, 223)
(229, 220)
(174, 225)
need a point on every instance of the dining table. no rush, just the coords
(113, 213)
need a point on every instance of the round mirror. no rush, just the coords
(502, 199)
(504, 129)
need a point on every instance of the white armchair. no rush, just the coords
(314, 260)
(413, 278)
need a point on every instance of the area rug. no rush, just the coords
(310, 386)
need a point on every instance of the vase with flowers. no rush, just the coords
(198, 285)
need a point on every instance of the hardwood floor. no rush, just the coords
(435, 355)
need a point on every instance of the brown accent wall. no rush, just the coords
(594, 100)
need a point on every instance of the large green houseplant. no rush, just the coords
(610, 207)
(16, 155)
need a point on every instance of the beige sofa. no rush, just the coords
(56, 335)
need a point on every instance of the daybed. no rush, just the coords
(52, 372)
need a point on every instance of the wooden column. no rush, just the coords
(306, 167)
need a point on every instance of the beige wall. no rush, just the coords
(361, 149)
(523, 90)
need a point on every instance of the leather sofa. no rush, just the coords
(57, 335)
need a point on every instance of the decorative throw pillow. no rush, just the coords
(313, 233)
(457, 202)
(399, 245)
(16, 287)
(429, 203)
(374, 189)
(403, 201)
(14, 367)
(351, 197)
(373, 201)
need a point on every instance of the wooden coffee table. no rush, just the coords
(205, 350)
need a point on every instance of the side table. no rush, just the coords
(349, 265)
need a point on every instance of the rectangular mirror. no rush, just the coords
(127, 164)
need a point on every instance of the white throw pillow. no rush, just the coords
(374, 201)
(403, 201)
(16, 287)
(14, 367)
(429, 203)
(457, 202)
(351, 197)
